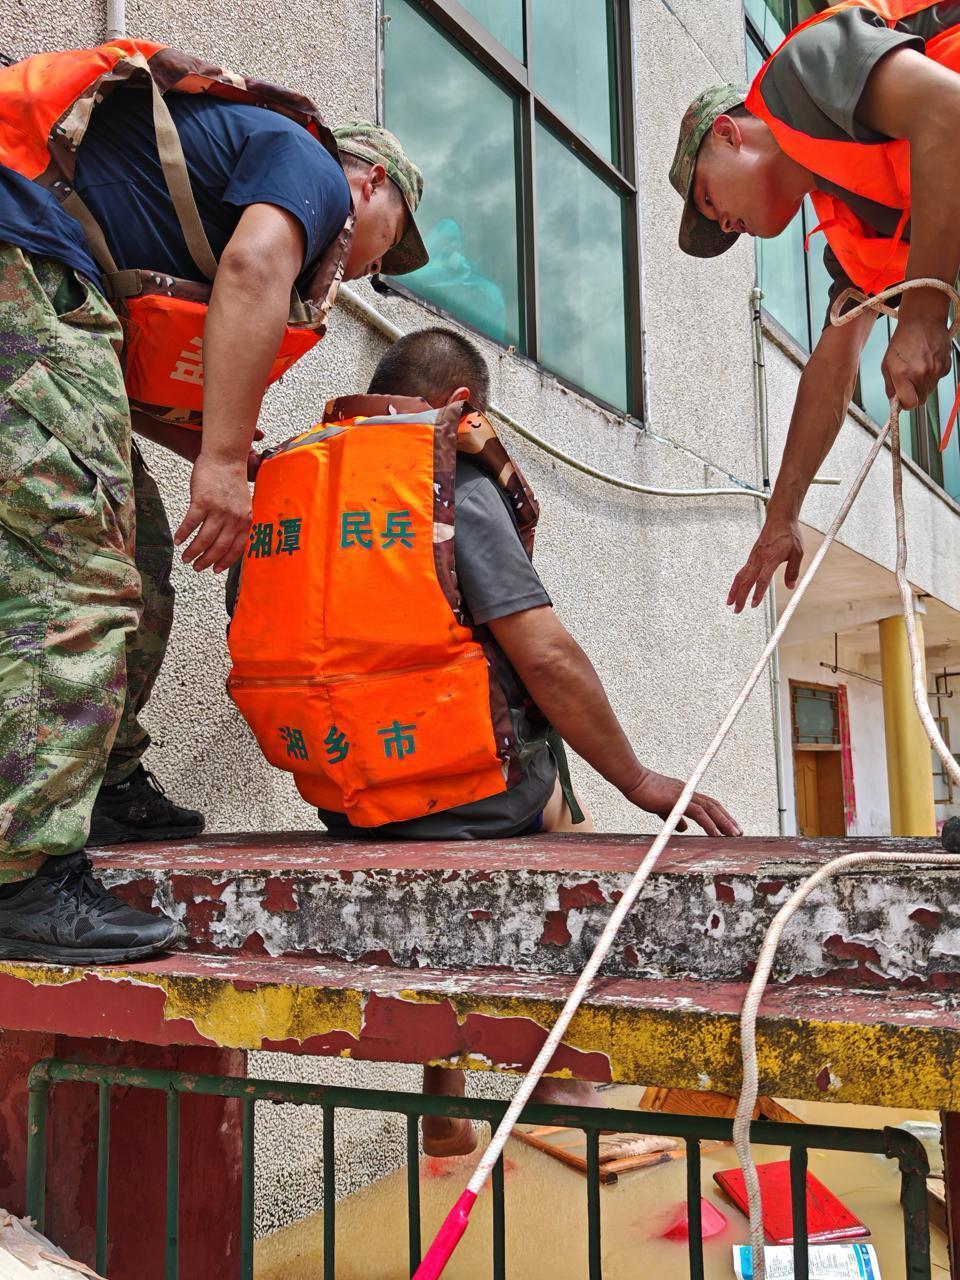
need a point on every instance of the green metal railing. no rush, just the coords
(895, 1144)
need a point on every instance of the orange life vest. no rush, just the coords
(878, 171)
(352, 660)
(45, 106)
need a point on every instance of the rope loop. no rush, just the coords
(877, 301)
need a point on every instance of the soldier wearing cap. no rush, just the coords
(857, 109)
(86, 551)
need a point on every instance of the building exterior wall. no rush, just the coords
(640, 581)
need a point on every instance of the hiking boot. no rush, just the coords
(65, 916)
(138, 809)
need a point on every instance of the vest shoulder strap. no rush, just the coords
(477, 440)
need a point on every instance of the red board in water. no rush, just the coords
(827, 1217)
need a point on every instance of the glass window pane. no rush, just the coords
(908, 433)
(583, 323)
(782, 272)
(951, 456)
(573, 66)
(873, 397)
(503, 19)
(934, 459)
(817, 275)
(754, 58)
(815, 716)
(771, 18)
(435, 94)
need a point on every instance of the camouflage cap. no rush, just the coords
(373, 143)
(699, 236)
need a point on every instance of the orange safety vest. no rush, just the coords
(352, 661)
(45, 106)
(878, 171)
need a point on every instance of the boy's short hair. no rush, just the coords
(429, 363)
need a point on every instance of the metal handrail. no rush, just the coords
(895, 1144)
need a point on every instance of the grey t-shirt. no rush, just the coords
(496, 579)
(815, 84)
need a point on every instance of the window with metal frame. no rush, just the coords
(796, 286)
(520, 114)
(816, 718)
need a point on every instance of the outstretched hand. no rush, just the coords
(778, 543)
(658, 794)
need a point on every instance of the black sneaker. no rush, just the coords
(138, 809)
(65, 916)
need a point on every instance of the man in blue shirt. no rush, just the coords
(83, 618)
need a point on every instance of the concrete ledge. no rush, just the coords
(891, 1048)
(538, 905)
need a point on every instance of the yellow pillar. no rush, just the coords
(909, 769)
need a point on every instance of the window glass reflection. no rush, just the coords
(771, 18)
(435, 95)
(581, 269)
(782, 272)
(573, 66)
(503, 19)
(951, 455)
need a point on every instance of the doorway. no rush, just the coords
(818, 776)
(817, 760)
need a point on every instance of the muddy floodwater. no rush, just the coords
(546, 1214)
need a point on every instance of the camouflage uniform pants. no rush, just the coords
(70, 590)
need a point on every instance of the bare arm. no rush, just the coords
(563, 683)
(185, 442)
(245, 324)
(910, 96)
(823, 397)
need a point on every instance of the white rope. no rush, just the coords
(748, 1017)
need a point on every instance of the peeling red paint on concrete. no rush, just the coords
(278, 895)
(100, 1003)
(188, 888)
(574, 896)
(658, 1031)
(724, 890)
(852, 949)
(555, 931)
(235, 899)
(395, 1030)
(926, 917)
(630, 957)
